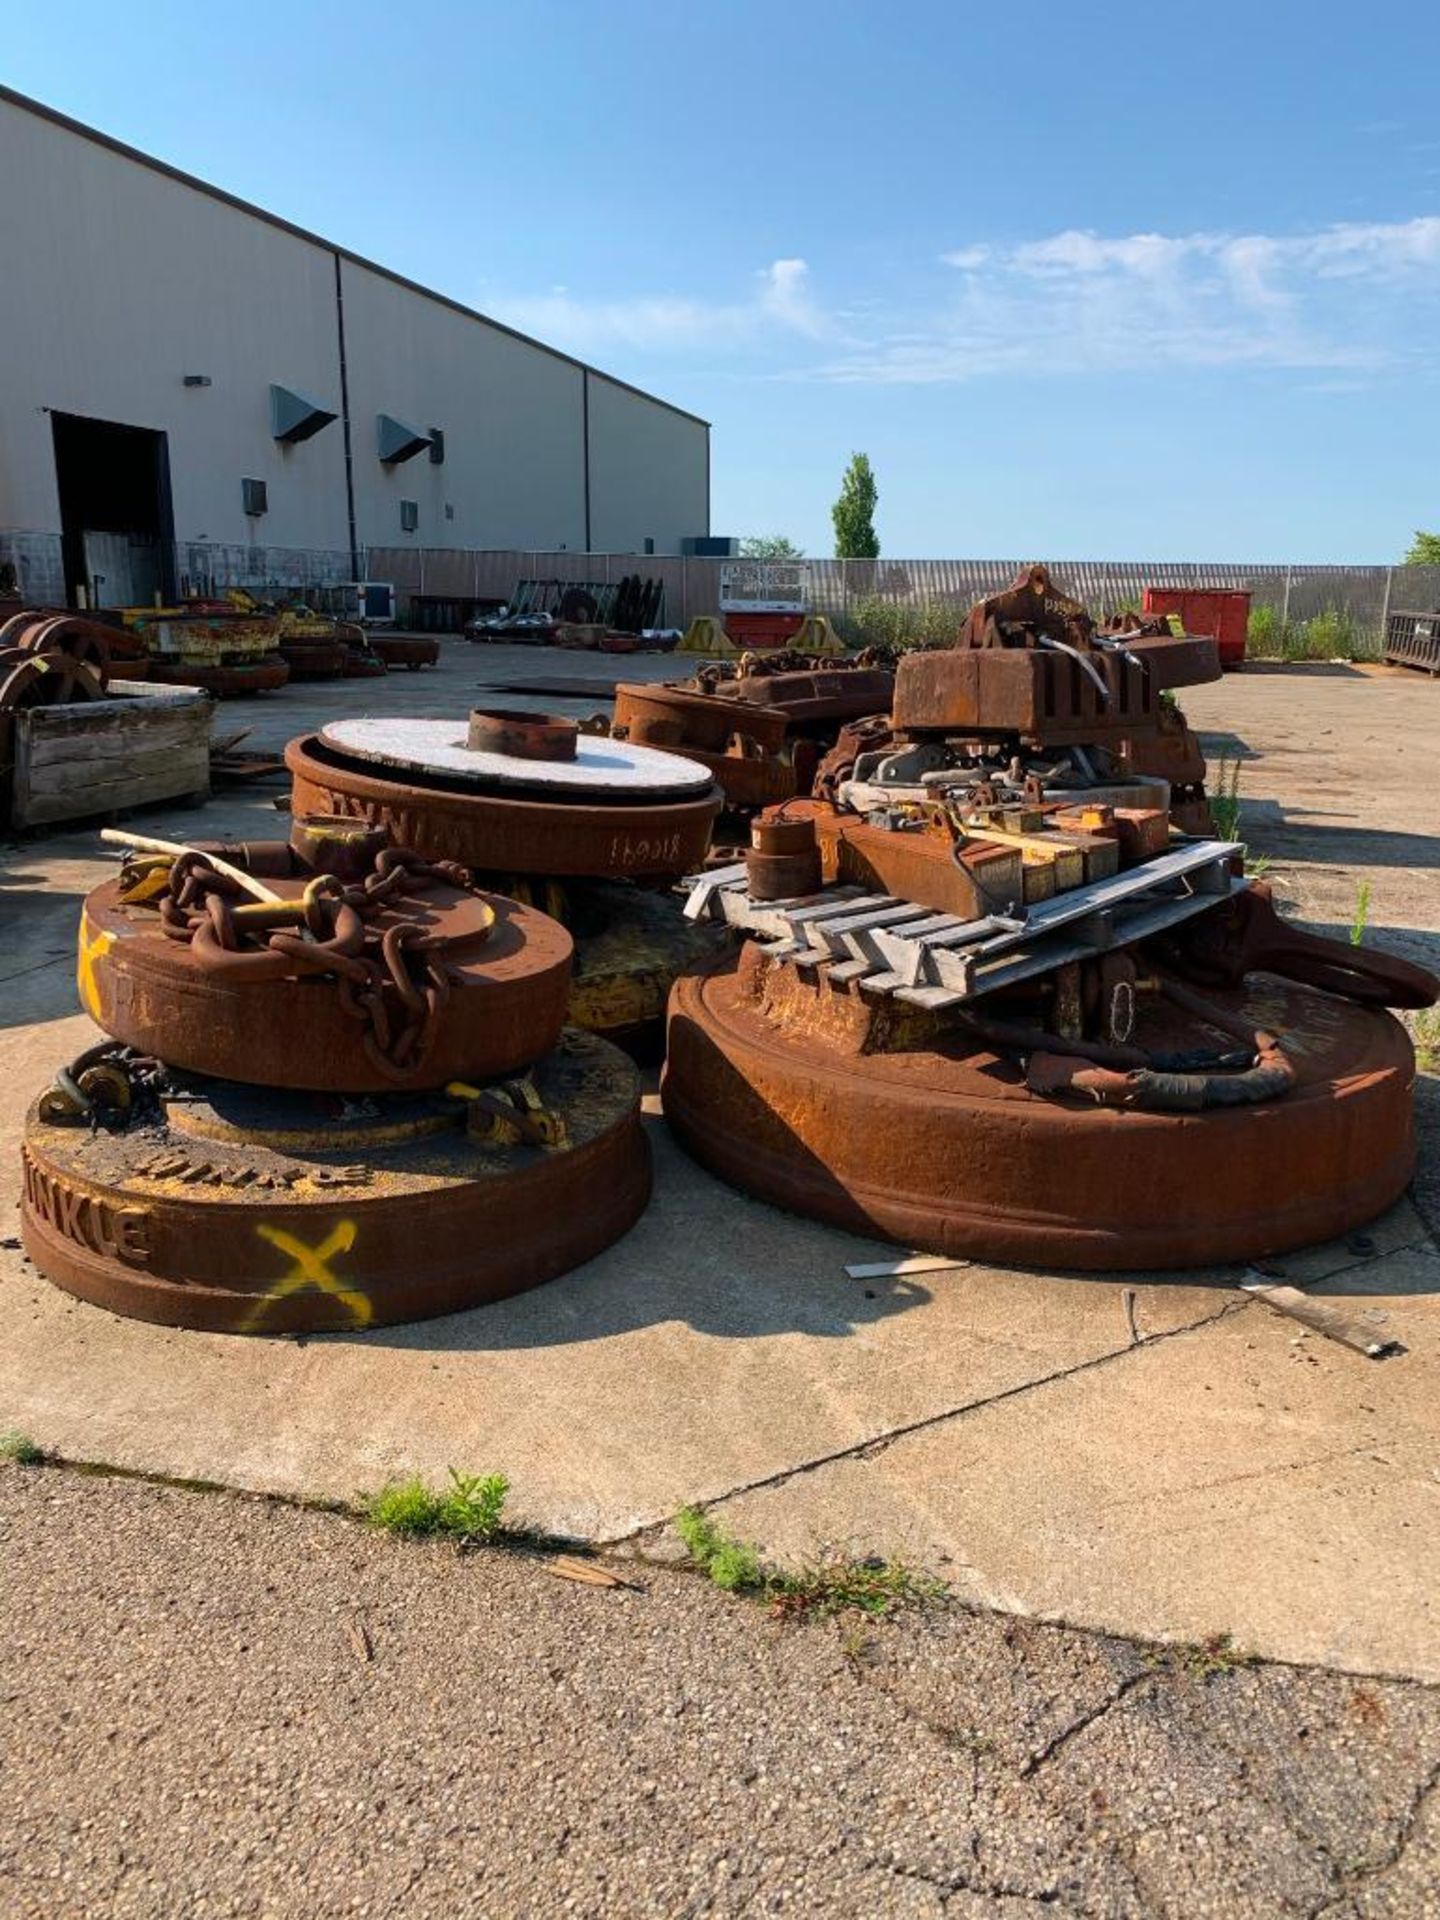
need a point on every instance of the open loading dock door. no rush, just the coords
(117, 529)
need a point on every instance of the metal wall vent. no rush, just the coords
(254, 496)
(409, 515)
(398, 442)
(295, 416)
(437, 446)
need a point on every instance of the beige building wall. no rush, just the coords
(649, 471)
(120, 278)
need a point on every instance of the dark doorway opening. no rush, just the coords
(116, 525)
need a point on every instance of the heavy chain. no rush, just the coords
(392, 979)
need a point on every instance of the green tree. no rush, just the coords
(770, 546)
(854, 512)
(1424, 550)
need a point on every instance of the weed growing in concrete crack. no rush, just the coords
(1225, 798)
(830, 1586)
(730, 1563)
(874, 1587)
(471, 1509)
(21, 1449)
(1362, 914)
(1425, 1033)
(1203, 1659)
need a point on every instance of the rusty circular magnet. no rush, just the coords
(495, 833)
(526, 736)
(252, 1211)
(939, 1144)
(269, 1017)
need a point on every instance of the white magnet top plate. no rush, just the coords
(607, 768)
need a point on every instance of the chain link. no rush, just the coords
(391, 979)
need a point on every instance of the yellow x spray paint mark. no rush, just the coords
(312, 1270)
(94, 945)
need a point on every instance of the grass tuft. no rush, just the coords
(830, 1586)
(20, 1449)
(1225, 798)
(730, 1563)
(470, 1509)
(1207, 1658)
(1362, 914)
(1425, 1032)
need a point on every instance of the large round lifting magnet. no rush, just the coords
(938, 1143)
(243, 1210)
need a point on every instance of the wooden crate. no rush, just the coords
(143, 743)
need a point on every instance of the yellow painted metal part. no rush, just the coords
(707, 635)
(94, 944)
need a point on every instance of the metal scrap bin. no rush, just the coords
(1221, 611)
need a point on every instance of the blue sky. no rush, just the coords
(1127, 281)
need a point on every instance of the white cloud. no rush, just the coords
(782, 304)
(1346, 300)
(1349, 297)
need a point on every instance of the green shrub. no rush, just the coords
(20, 1448)
(1331, 635)
(876, 622)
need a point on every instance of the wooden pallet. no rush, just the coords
(892, 946)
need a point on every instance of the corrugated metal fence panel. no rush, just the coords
(838, 587)
(692, 586)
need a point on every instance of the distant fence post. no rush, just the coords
(1385, 608)
(1285, 603)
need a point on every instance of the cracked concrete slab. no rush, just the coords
(718, 1344)
(1244, 1477)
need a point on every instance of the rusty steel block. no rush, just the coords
(920, 864)
(244, 1210)
(1176, 660)
(705, 719)
(774, 1082)
(742, 747)
(409, 650)
(1038, 696)
(814, 696)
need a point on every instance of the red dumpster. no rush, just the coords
(1221, 611)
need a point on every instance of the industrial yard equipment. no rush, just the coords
(1221, 612)
(340, 1093)
(579, 823)
(1023, 1017)
(409, 650)
(1411, 640)
(759, 725)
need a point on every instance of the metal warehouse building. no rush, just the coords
(194, 392)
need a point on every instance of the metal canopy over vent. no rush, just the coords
(295, 416)
(397, 441)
